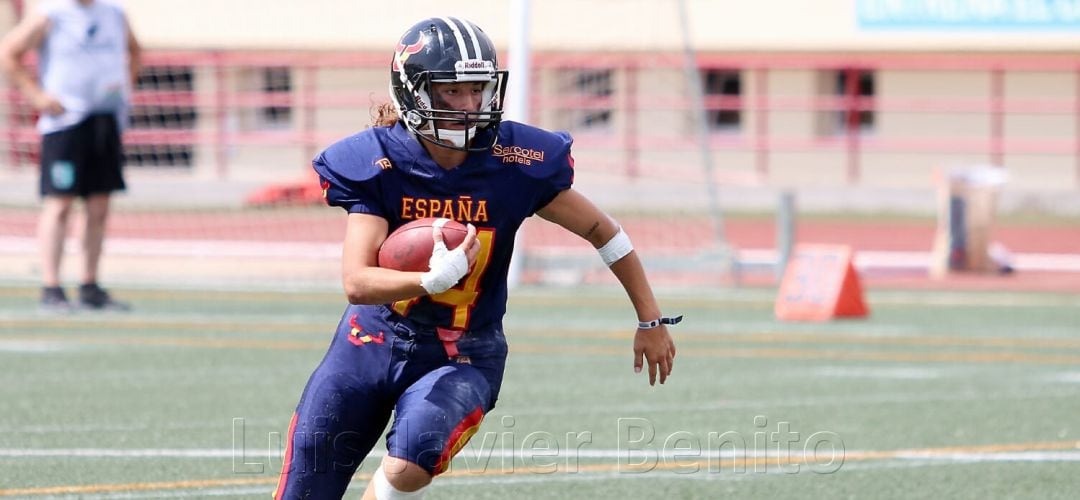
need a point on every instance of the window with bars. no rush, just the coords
(588, 93)
(722, 89)
(167, 106)
(854, 88)
(277, 84)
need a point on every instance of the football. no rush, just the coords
(408, 248)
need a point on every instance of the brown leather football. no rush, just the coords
(408, 248)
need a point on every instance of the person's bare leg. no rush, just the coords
(403, 475)
(52, 230)
(97, 212)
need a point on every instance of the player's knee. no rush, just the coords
(97, 216)
(58, 207)
(400, 479)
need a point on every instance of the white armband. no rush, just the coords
(616, 248)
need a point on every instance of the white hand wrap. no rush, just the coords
(616, 248)
(447, 266)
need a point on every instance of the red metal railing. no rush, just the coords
(633, 100)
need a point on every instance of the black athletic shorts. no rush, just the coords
(84, 159)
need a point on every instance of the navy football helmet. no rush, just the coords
(447, 49)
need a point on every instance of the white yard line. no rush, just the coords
(262, 491)
(909, 459)
(473, 456)
(34, 346)
(332, 251)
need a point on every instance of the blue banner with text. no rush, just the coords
(1008, 15)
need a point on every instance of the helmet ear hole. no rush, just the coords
(414, 118)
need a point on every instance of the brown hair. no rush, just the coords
(384, 115)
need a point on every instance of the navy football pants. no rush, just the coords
(376, 366)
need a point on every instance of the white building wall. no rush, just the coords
(574, 25)
(810, 27)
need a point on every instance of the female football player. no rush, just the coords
(428, 348)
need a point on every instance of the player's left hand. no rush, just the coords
(656, 348)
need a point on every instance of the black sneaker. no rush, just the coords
(53, 300)
(92, 296)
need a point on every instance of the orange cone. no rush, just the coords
(820, 283)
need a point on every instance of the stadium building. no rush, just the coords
(687, 108)
(831, 93)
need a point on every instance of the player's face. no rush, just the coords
(460, 96)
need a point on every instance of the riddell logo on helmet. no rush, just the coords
(402, 52)
(473, 65)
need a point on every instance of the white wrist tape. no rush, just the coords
(447, 267)
(616, 248)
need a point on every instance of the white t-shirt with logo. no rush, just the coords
(84, 62)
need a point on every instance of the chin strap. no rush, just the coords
(457, 137)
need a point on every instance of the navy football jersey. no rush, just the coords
(384, 171)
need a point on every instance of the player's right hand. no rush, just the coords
(447, 267)
(47, 104)
(470, 244)
(655, 348)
